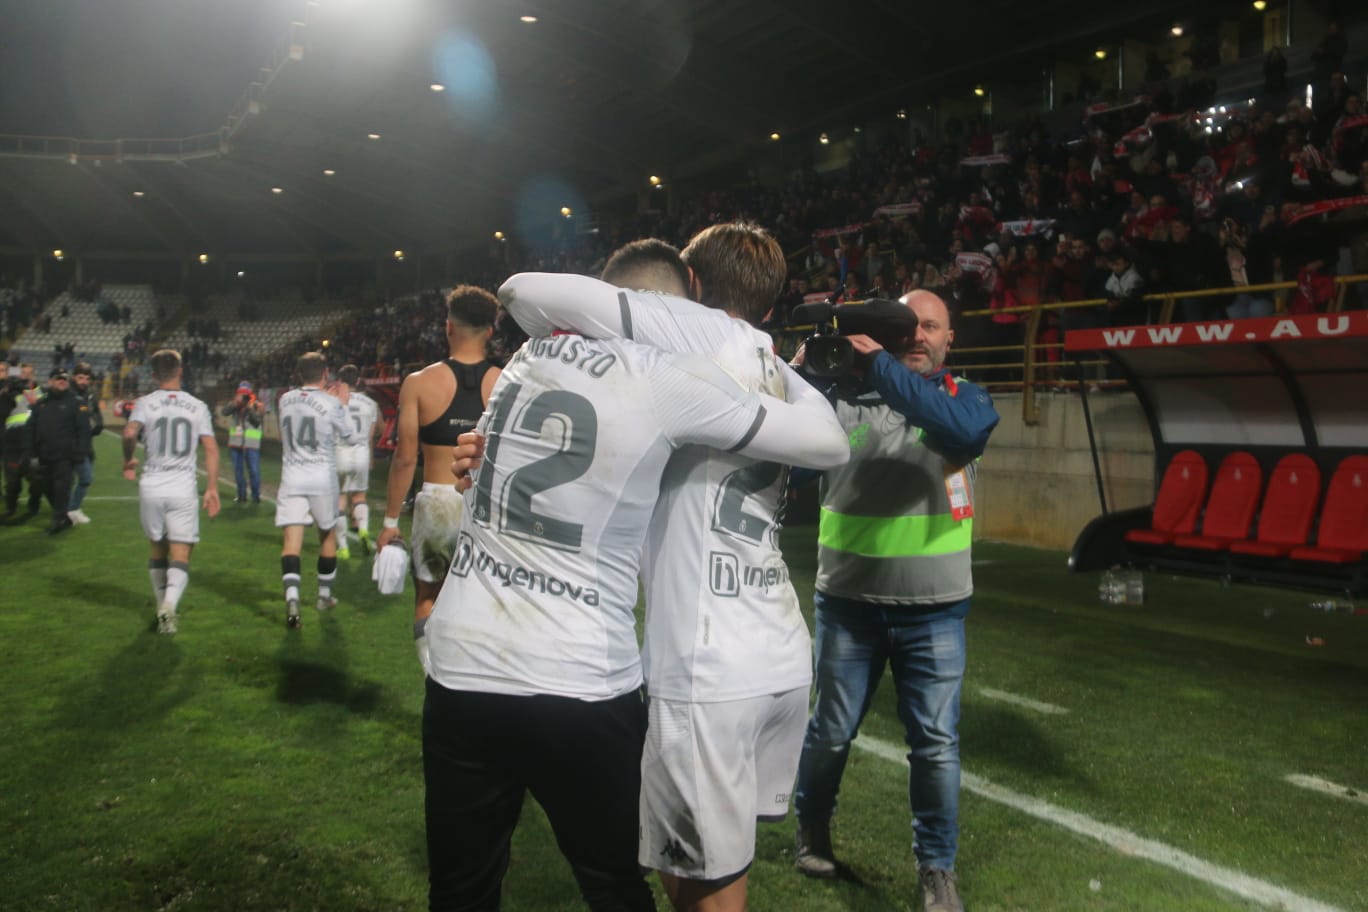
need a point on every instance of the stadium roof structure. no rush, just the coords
(271, 107)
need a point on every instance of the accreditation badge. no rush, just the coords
(957, 489)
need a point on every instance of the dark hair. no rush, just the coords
(740, 267)
(83, 367)
(349, 374)
(165, 364)
(472, 306)
(649, 264)
(311, 367)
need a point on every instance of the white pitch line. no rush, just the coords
(1123, 841)
(1326, 787)
(1003, 696)
(109, 497)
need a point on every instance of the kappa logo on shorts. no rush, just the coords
(465, 555)
(675, 852)
(724, 574)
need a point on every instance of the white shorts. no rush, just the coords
(353, 469)
(306, 510)
(708, 772)
(437, 511)
(170, 518)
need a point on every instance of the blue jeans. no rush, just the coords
(853, 642)
(250, 461)
(1246, 306)
(85, 474)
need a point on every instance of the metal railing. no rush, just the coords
(1032, 348)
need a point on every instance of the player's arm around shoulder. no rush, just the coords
(542, 302)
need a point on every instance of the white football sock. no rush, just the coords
(177, 578)
(361, 513)
(156, 569)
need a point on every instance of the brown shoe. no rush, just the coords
(814, 856)
(940, 891)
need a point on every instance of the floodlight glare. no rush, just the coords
(277, 190)
(1100, 54)
(203, 258)
(241, 273)
(328, 172)
(980, 91)
(399, 255)
(824, 139)
(58, 254)
(655, 180)
(774, 136)
(528, 19)
(1260, 5)
(139, 194)
(567, 211)
(437, 87)
(372, 136)
(498, 235)
(1177, 31)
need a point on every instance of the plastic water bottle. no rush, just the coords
(1333, 606)
(1135, 588)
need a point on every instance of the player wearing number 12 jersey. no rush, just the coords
(727, 653)
(312, 424)
(534, 672)
(172, 424)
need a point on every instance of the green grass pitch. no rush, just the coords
(240, 766)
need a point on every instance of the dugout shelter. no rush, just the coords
(1260, 432)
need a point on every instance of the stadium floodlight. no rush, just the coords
(139, 194)
(277, 190)
(437, 87)
(824, 139)
(774, 136)
(399, 255)
(902, 114)
(241, 273)
(655, 180)
(1260, 5)
(372, 136)
(203, 258)
(499, 236)
(1100, 53)
(328, 172)
(980, 91)
(529, 19)
(59, 254)
(1176, 31)
(566, 211)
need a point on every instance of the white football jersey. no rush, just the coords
(540, 596)
(173, 421)
(312, 423)
(363, 413)
(723, 621)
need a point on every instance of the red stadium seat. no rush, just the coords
(1230, 509)
(1343, 534)
(1178, 502)
(1289, 505)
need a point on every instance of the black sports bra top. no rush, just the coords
(465, 408)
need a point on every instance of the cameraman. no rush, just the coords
(245, 415)
(893, 587)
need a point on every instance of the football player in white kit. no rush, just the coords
(174, 424)
(533, 669)
(354, 459)
(312, 423)
(727, 653)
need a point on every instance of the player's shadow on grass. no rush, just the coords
(1005, 737)
(313, 669)
(141, 684)
(101, 594)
